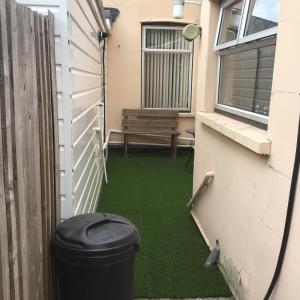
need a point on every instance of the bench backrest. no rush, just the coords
(152, 121)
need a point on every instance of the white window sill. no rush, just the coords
(249, 136)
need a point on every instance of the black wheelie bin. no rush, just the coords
(94, 257)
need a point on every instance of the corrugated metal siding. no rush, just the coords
(86, 90)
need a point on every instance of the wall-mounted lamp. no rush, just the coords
(110, 14)
(178, 7)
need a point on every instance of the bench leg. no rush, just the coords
(174, 146)
(125, 145)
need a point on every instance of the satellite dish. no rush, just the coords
(191, 32)
(230, 35)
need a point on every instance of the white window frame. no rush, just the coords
(233, 110)
(217, 46)
(241, 39)
(148, 50)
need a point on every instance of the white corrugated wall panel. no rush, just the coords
(83, 61)
(81, 195)
(80, 146)
(83, 100)
(83, 162)
(86, 92)
(82, 82)
(82, 121)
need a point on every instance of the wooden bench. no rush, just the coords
(151, 122)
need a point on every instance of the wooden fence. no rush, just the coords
(29, 153)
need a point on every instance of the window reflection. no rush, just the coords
(263, 15)
(246, 79)
(230, 22)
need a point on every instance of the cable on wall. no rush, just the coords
(288, 221)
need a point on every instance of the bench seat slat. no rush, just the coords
(151, 122)
(158, 132)
(150, 113)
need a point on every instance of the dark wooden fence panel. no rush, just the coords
(29, 173)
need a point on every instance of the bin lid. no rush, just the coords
(96, 233)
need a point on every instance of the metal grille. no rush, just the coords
(167, 68)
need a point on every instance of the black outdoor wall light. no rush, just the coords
(102, 36)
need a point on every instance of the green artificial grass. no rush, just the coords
(151, 190)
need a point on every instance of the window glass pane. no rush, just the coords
(246, 79)
(171, 39)
(263, 14)
(167, 80)
(231, 19)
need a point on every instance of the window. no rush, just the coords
(167, 68)
(246, 79)
(246, 69)
(231, 18)
(262, 15)
(242, 21)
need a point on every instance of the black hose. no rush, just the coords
(288, 220)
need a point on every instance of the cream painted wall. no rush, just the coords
(124, 61)
(245, 206)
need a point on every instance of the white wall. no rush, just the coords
(79, 87)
